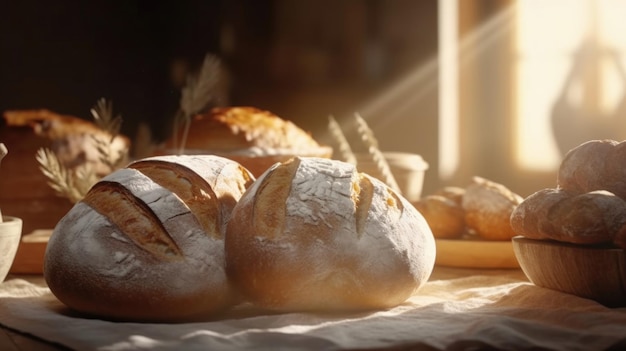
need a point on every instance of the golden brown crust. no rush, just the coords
(594, 165)
(597, 217)
(336, 240)
(189, 186)
(135, 250)
(48, 124)
(454, 193)
(488, 206)
(237, 128)
(255, 138)
(445, 217)
(140, 224)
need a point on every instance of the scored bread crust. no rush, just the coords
(314, 234)
(242, 127)
(134, 250)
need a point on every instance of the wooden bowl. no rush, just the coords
(593, 272)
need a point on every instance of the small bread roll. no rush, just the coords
(445, 217)
(146, 243)
(488, 206)
(453, 193)
(314, 234)
(583, 168)
(594, 165)
(596, 217)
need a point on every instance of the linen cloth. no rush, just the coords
(457, 309)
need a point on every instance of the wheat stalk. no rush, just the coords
(370, 141)
(74, 184)
(196, 95)
(102, 114)
(63, 181)
(342, 142)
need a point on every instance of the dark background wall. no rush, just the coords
(300, 59)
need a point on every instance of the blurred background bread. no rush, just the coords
(253, 137)
(24, 190)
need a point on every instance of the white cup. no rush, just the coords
(407, 168)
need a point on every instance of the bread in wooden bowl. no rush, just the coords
(596, 272)
(253, 137)
(572, 237)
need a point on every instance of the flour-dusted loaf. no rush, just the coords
(146, 243)
(314, 234)
(595, 217)
(588, 204)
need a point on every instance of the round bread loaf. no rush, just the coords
(314, 234)
(594, 165)
(255, 138)
(146, 242)
(488, 206)
(595, 217)
(445, 217)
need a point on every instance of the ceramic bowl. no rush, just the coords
(593, 272)
(10, 235)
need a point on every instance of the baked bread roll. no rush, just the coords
(253, 137)
(314, 234)
(594, 165)
(146, 242)
(488, 206)
(597, 217)
(444, 215)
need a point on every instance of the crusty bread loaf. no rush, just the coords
(488, 206)
(314, 234)
(70, 138)
(594, 165)
(24, 189)
(596, 217)
(253, 137)
(445, 216)
(146, 243)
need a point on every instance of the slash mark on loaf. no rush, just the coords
(190, 187)
(270, 207)
(134, 218)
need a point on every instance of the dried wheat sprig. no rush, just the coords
(345, 151)
(102, 114)
(197, 94)
(61, 180)
(370, 141)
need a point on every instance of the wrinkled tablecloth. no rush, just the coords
(455, 310)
